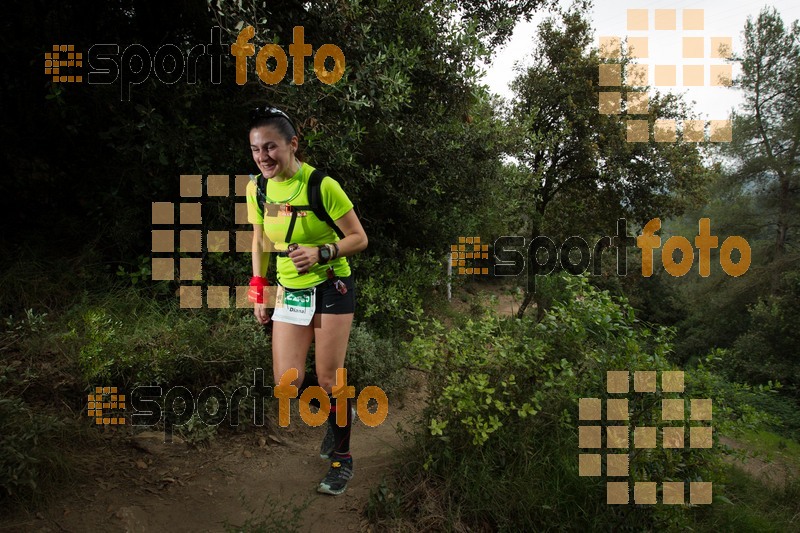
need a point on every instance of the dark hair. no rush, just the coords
(268, 115)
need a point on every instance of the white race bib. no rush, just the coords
(295, 307)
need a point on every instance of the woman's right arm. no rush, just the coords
(259, 310)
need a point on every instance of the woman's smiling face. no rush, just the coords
(273, 155)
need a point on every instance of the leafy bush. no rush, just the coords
(502, 439)
(767, 351)
(375, 360)
(782, 409)
(16, 330)
(390, 292)
(29, 457)
(128, 339)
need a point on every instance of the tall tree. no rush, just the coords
(766, 132)
(755, 197)
(407, 107)
(579, 158)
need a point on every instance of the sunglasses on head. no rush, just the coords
(267, 111)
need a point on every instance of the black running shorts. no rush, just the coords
(331, 302)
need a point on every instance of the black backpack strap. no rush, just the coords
(291, 223)
(315, 204)
(315, 201)
(261, 193)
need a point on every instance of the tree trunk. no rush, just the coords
(525, 302)
(782, 230)
(533, 268)
(783, 217)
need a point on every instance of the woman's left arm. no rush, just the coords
(355, 238)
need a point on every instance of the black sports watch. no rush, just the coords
(324, 254)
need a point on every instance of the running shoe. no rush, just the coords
(335, 481)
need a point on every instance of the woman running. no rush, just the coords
(313, 228)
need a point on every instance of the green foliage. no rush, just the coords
(140, 275)
(408, 105)
(503, 413)
(766, 136)
(715, 308)
(578, 161)
(195, 431)
(773, 447)
(390, 291)
(735, 404)
(754, 506)
(16, 329)
(785, 411)
(756, 198)
(29, 281)
(383, 503)
(373, 359)
(128, 339)
(29, 453)
(102, 346)
(767, 350)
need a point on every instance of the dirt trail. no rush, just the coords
(508, 302)
(180, 489)
(248, 477)
(776, 473)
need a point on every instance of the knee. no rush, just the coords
(278, 375)
(327, 381)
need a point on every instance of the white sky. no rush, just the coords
(723, 18)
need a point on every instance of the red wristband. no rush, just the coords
(256, 292)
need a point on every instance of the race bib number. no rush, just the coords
(295, 307)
